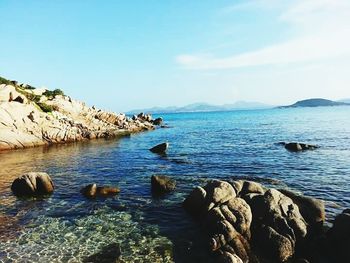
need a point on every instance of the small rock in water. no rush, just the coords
(89, 190)
(92, 191)
(160, 148)
(162, 184)
(158, 121)
(32, 184)
(297, 147)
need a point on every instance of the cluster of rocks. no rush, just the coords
(246, 222)
(40, 184)
(24, 124)
(147, 117)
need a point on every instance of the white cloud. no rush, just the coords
(324, 33)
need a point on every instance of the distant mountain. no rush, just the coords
(205, 107)
(315, 103)
(344, 100)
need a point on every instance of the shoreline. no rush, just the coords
(35, 117)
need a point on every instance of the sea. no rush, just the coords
(136, 226)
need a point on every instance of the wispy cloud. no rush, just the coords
(323, 28)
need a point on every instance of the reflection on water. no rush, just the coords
(239, 145)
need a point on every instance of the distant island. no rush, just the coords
(240, 105)
(345, 100)
(205, 107)
(317, 102)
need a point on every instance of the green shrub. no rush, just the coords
(30, 87)
(44, 107)
(54, 93)
(5, 81)
(33, 97)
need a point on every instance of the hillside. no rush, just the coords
(205, 107)
(315, 103)
(30, 117)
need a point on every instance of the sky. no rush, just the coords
(122, 55)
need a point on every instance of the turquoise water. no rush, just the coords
(242, 144)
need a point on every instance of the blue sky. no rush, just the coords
(121, 55)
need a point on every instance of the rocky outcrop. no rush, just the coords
(243, 219)
(28, 118)
(32, 184)
(162, 184)
(92, 191)
(160, 148)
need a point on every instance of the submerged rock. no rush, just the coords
(108, 254)
(92, 191)
(297, 147)
(32, 184)
(162, 184)
(160, 148)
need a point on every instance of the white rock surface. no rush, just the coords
(26, 125)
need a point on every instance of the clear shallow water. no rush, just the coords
(242, 144)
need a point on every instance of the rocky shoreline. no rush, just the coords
(31, 117)
(243, 221)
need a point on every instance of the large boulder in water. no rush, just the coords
(160, 148)
(92, 191)
(240, 215)
(162, 184)
(32, 184)
(195, 203)
(338, 238)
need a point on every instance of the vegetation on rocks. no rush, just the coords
(5, 81)
(51, 94)
(33, 117)
(45, 107)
